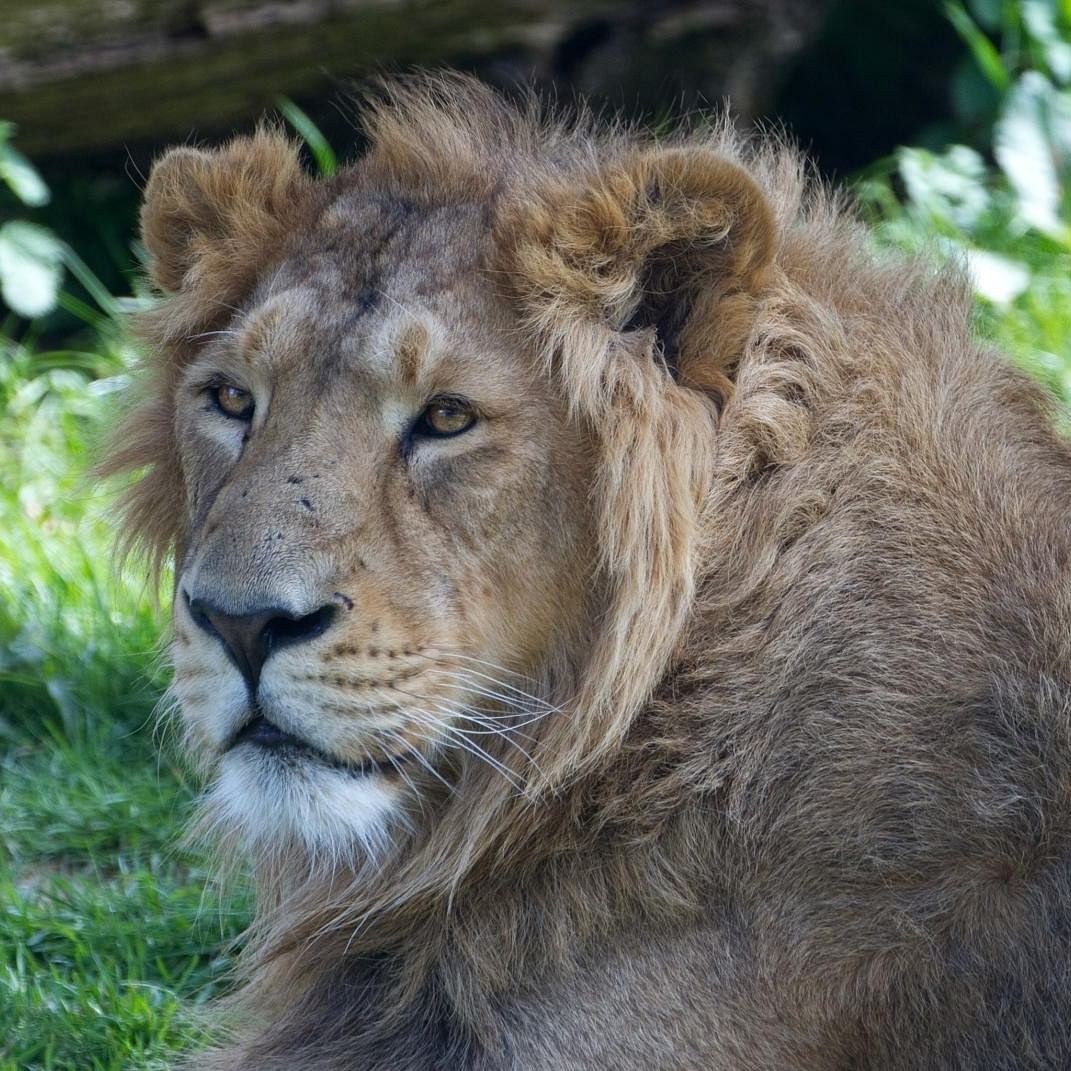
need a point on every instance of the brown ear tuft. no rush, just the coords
(674, 242)
(214, 215)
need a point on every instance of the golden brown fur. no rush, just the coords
(793, 574)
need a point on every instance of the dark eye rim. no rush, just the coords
(423, 429)
(212, 391)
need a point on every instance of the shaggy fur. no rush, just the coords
(803, 799)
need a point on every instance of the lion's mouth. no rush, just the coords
(266, 735)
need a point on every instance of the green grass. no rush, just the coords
(108, 940)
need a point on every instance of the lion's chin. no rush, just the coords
(274, 796)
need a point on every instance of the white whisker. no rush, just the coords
(465, 678)
(412, 749)
(466, 744)
(491, 721)
(464, 713)
(459, 732)
(394, 301)
(225, 332)
(452, 653)
(494, 680)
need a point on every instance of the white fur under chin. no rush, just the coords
(270, 801)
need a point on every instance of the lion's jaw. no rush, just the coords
(400, 591)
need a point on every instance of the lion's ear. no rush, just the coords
(214, 215)
(666, 246)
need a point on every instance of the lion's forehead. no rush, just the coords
(308, 326)
(379, 289)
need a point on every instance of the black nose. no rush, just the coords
(251, 637)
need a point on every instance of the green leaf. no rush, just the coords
(984, 51)
(94, 287)
(22, 177)
(974, 98)
(31, 268)
(1032, 134)
(996, 278)
(311, 134)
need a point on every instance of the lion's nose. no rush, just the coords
(250, 638)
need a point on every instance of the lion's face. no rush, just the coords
(387, 517)
(431, 444)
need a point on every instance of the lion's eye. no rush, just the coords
(445, 417)
(234, 401)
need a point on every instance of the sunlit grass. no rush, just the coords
(108, 941)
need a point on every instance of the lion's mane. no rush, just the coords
(828, 702)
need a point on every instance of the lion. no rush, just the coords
(624, 620)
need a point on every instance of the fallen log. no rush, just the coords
(93, 74)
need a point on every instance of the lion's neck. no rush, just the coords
(434, 973)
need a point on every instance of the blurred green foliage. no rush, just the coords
(1000, 200)
(31, 257)
(108, 942)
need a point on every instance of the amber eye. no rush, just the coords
(445, 417)
(234, 401)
